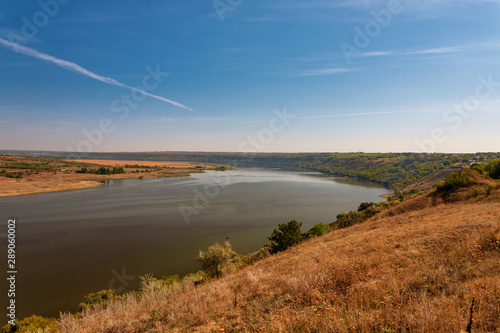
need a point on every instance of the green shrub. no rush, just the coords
(318, 230)
(196, 278)
(477, 191)
(100, 297)
(169, 280)
(493, 169)
(481, 168)
(372, 210)
(399, 195)
(365, 205)
(456, 180)
(349, 219)
(287, 235)
(31, 324)
(217, 258)
(341, 216)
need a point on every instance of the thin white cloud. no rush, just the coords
(412, 4)
(438, 50)
(76, 68)
(325, 71)
(365, 114)
(188, 119)
(375, 54)
(479, 47)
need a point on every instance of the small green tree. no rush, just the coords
(287, 235)
(216, 258)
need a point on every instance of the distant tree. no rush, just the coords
(287, 235)
(118, 170)
(103, 171)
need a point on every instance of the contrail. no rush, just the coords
(74, 67)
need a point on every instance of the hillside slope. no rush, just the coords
(416, 271)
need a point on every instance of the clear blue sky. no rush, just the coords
(396, 87)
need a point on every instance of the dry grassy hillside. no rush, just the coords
(416, 271)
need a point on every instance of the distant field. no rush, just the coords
(181, 165)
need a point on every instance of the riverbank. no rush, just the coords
(32, 175)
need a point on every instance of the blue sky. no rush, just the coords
(237, 65)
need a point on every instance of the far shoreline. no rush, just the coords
(67, 175)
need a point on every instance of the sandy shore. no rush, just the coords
(15, 187)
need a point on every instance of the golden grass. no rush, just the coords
(416, 271)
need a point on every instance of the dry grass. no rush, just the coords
(416, 271)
